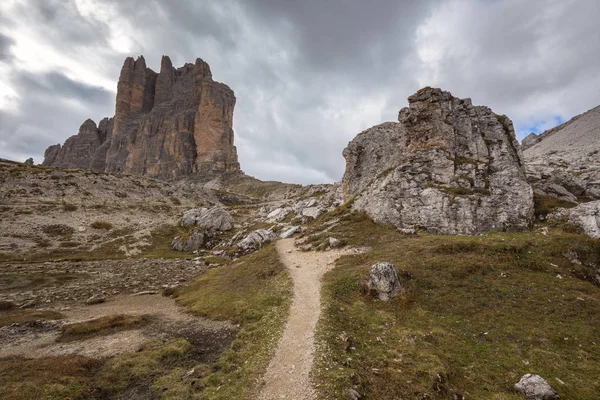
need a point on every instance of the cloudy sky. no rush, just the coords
(308, 75)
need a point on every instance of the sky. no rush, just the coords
(308, 75)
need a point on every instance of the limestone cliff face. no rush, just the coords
(168, 125)
(447, 167)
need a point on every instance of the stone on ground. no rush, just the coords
(383, 281)
(536, 388)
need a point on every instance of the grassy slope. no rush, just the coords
(480, 312)
(254, 292)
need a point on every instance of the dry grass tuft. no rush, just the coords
(101, 224)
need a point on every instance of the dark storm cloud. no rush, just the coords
(56, 85)
(54, 111)
(336, 32)
(5, 44)
(308, 75)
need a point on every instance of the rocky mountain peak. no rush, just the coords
(167, 125)
(447, 166)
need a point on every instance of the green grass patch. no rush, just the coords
(480, 312)
(254, 292)
(105, 325)
(58, 378)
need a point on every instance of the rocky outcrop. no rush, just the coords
(529, 141)
(213, 219)
(585, 216)
(447, 167)
(168, 125)
(193, 241)
(564, 162)
(79, 151)
(256, 240)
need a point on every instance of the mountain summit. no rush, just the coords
(167, 125)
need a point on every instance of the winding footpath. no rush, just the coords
(287, 376)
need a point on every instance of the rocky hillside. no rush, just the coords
(564, 162)
(447, 167)
(167, 125)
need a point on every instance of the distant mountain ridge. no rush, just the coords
(580, 131)
(167, 125)
(564, 162)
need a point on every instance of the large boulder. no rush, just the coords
(256, 240)
(312, 212)
(190, 242)
(383, 281)
(279, 214)
(569, 181)
(585, 216)
(213, 219)
(536, 388)
(447, 167)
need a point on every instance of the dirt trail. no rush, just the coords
(287, 376)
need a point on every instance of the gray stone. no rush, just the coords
(447, 167)
(290, 232)
(189, 243)
(569, 181)
(213, 219)
(353, 395)
(383, 281)
(279, 214)
(256, 240)
(586, 216)
(536, 388)
(334, 243)
(555, 190)
(312, 212)
(95, 299)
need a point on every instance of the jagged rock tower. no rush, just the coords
(447, 167)
(168, 125)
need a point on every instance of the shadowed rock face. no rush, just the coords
(168, 125)
(447, 167)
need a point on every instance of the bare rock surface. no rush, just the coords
(530, 140)
(567, 157)
(256, 240)
(536, 388)
(585, 216)
(64, 212)
(447, 167)
(216, 218)
(192, 242)
(167, 125)
(288, 233)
